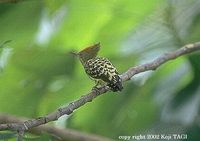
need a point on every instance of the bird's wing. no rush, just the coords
(101, 68)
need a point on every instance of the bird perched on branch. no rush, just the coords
(99, 69)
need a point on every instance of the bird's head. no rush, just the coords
(88, 53)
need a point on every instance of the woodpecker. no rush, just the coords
(100, 69)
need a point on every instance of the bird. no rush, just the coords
(99, 69)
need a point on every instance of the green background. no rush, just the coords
(38, 75)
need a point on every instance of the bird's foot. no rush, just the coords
(96, 90)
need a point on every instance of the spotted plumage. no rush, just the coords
(103, 72)
(100, 69)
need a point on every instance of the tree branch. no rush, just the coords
(59, 133)
(160, 60)
(28, 124)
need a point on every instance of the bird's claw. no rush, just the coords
(96, 90)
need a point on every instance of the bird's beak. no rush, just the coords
(74, 53)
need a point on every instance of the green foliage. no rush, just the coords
(43, 137)
(4, 43)
(39, 74)
(7, 135)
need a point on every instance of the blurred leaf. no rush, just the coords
(43, 62)
(28, 77)
(22, 29)
(4, 43)
(188, 91)
(125, 17)
(54, 5)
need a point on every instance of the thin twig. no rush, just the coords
(28, 124)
